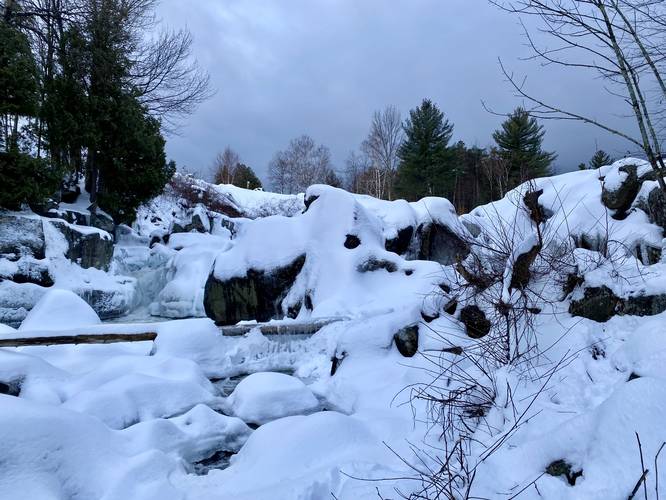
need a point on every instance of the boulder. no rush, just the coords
(101, 219)
(407, 340)
(656, 207)
(21, 235)
(621, 197)
(375, 264)
(600, 304)
(198, 222)
(401, 243)
(475, 321)
(441, 244)
(86, 247)
(29, 270)
(111, 302)
(256, 295)
(352, 241)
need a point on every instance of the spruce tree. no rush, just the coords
(600, 159)
(519, 143)
(425, 160)
(245, 177)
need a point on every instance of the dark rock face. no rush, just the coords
(475, 321)
(257, 295)
(520, 275)
(656, 207)
(647, 254)
(88, 249)
(21, 236)
(32, 271)
(621, 198)
(644, 305)
(196, 223)
(11, 387)
(600, 304)
(401, 243)
(309, 201)
(107, 303)
(71, 194)
(375, 264)
(352, 241)
(564, 469)
(101, 220)
(440, 244)
(407, 340)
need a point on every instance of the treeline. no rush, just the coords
(415, 158)
(86, 89)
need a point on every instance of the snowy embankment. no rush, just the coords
(416, 291)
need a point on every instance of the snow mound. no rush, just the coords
(299, 458)
(266, 396)
(59, 310)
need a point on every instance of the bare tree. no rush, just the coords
(381, 146)
(169, 83)
(356, 173)
(302, 164)
(613, 39)
(225, 166)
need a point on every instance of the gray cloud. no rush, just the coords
(321, 67)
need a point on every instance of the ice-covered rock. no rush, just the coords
(266, 396)
(21, 235)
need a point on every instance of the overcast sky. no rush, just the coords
(283, 68)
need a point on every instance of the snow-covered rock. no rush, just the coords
(266, 396)
(59, 310)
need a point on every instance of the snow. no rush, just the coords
(267, 396)
(258, 203)
(59, 310)
(131, 420)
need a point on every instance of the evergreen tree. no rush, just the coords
(245, 177)
(23, 179)
(600, 159)
(332, 179)
(425, 160)
(19, 90)
(131, 160)
(65, 110)
(582, 166)
(519, 143)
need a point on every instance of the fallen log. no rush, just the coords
(102, 338)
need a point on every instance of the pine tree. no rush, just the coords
(519, 143)
(600, 159)
(425, 160)
(245, 177)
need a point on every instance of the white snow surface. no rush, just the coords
(131, 420)
(266, 396)
(59, 310)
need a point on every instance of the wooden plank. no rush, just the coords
(278, 329)
(102, 338)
